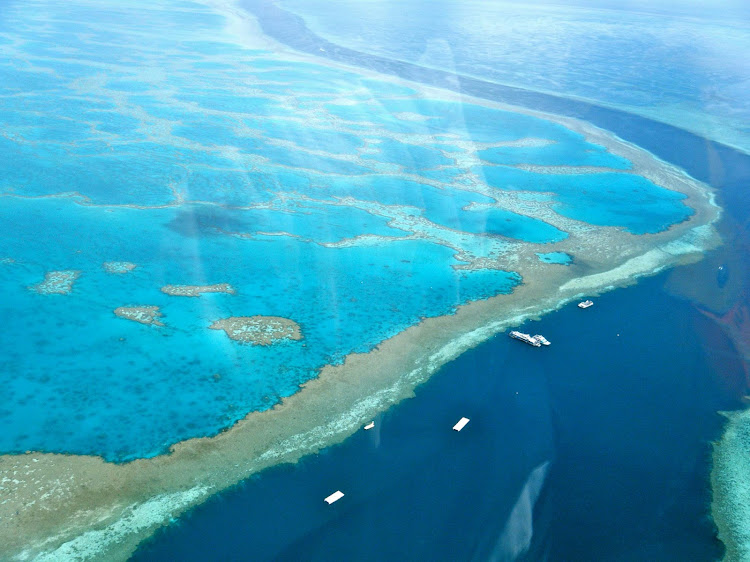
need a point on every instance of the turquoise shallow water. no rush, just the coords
(89, 382)
(560, 258)
(558, 154)
(604, 199)
(205, 162)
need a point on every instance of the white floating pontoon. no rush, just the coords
(461, 424)
(334, 497)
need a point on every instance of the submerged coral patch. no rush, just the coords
(56, 283)
(196, 290)
(142, 314)
(730, 479)
(118, 267)
(259, 330)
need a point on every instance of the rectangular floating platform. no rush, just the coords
(585, 304)
(370, 425)
(334, 497)
(461, 424)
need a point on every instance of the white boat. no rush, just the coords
(461, 424)
(585, 304)
(370, 425)
(541, 339)
(334, 497)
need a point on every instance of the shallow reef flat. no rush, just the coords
(730, 506)
(334, 202)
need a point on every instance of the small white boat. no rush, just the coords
(334, 497)
(461, 424)
(585, 304)
(370, 425)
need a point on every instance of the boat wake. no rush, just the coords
(519, 529)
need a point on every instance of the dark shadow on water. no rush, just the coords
(198, 221)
